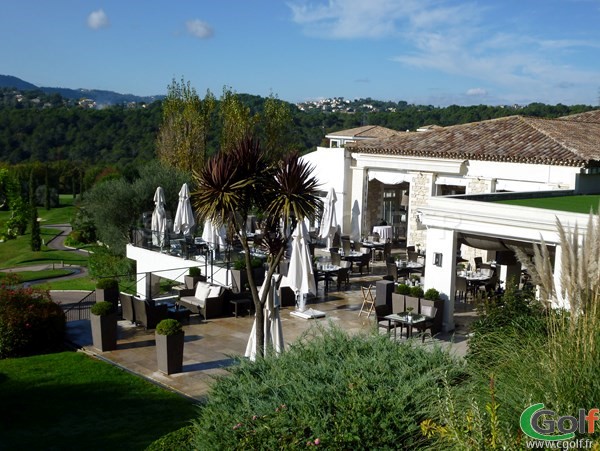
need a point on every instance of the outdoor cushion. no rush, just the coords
(202, 290)
(214, 291)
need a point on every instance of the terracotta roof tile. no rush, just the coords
(589, 116)
(367, 131)
(510, 139)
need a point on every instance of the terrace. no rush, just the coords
(211, 344)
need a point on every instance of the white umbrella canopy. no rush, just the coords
(159, 218)
(329, 223)
(272, 323)
(213, 235)
(184, 218)
(300, 276)
(354, 225)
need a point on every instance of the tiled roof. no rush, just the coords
(367, 131)
(589, 116)
(510, 139)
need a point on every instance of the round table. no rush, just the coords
(384, 232)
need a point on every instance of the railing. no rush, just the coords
(81, 310)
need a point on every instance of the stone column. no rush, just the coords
(421, 189)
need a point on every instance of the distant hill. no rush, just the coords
(102, 98)
(8, 81)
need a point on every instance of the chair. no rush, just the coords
(461, 288)
(478, 262)
(368, 300)
(392, 270)
(127, 306)
(364, 261)
(381, 311)
(147, 314)
(343, 276)
(429, 313)
(413, 256)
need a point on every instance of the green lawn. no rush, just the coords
(71, 401)
(574, 204)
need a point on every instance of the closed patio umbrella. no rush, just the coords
(184, 218)
(159, 219)
(272, 323)
(300, 276)
(354, 225)
(329, 223)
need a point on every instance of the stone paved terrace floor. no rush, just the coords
(210, 344)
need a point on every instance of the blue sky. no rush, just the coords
(436, 52)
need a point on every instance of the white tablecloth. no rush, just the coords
(384, 232)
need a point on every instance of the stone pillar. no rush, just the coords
(442, 278)
(421, 189)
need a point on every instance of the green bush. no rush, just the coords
(102, 308)
(107, 284)
(416, 292)
(331, 389)
(180, 440)
(30, 322)
(403, 289)
(432, 294)
(168, 327)
(194, 271)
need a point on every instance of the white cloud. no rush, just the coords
(476, 92)
(199, 29)
(97, 20)
(465, 39)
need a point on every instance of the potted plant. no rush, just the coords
(169, 346)
(432, 294)
(432, 298)
(403, 289)
(103, 320)
(193, 276)
(416, 292)
(107, 289)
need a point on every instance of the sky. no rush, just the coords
(431, 52)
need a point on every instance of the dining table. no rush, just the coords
(474, 279)
(407, 319)
(352, 256)
(372, 246)
(327, 271)
(384, 232)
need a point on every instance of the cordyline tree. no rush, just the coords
(234, 183)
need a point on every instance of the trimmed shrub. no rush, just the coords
(330, 389)
(102, 308)
(107, 284)
(403, 289)
(416, 292)
(194, 271)
(168, 327)
(30, 322)
(432, 294)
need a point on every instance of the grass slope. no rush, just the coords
(71, 401)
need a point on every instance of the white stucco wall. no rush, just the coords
(330, 169)
(524, 177)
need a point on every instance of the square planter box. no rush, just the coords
(169, 352)
(104, 332)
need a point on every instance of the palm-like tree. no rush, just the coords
(233, 184)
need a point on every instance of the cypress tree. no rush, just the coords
(36, 238)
